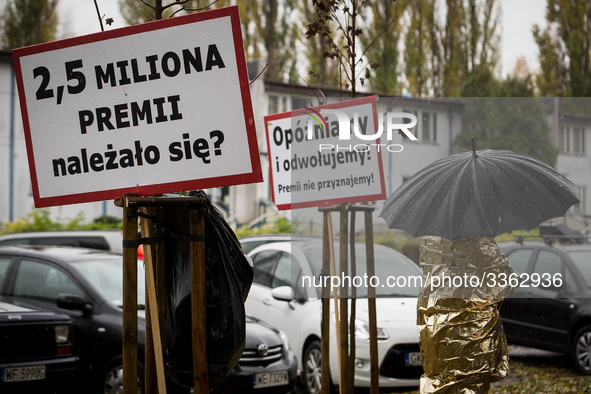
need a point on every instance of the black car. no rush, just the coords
(551, 310)
(36, 350)
(87, 286)
(267, 365)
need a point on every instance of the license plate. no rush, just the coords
(20, 374)
(270, 379)
(413, 359)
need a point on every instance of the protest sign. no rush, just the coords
(325, 155)
(158, 107)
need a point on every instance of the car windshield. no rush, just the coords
(396, 275)
(106, 275)
(582, 259)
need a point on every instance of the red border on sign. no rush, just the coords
(252, 177)
(332, 201)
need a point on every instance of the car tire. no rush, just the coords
(311, 368)
(111, 378)
(581, 350)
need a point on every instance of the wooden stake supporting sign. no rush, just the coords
(129, 295)
(152, 208)
(343, 331)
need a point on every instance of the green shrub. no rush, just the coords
(40, 220)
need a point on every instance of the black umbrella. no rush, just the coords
(484, 193)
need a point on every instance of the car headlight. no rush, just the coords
(362, 330)
(62, 334)
(285, 340)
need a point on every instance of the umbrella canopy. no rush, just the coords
(484, 193)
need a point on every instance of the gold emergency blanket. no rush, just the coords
(463, 346)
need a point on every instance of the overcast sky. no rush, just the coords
(518, 17)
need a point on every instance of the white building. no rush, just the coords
(439, 121)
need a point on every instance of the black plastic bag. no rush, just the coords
(229, 275)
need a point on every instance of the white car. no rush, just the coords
(285, 293)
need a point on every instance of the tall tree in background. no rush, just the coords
(513, 123)
(28, 22)
(385, 15)
(417, 44)
(278, 35)
(140, 11)
(441, 55)
(338, 23)
(323, 69)
(565, 49)
(510, 118)
(267, 29)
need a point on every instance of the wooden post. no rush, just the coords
(156, 252)
(327, 258)
(346, 374)
(352, 317)
(155, 341)
(344, 301)
(198, 295)
(157, 295)
(130, 318)
(371, 303)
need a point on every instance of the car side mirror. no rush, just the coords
(74, 302)
(283, 293)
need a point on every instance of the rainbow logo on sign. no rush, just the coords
(316, 119)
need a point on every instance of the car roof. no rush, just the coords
(315, 243)
(284, 236)
(39, 234)
(65, 253)
(542, 244)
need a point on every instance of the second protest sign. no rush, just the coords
(316, 157)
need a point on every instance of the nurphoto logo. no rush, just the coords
(395, 121)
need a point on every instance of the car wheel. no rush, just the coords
(581, 351)
(112, 378)
(312, 371)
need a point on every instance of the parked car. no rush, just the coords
(282, 296)
(102, 240)
(36, 350)
(267, 365)
(251, 242)
(551, 310)
(86, 285)
(108, 240)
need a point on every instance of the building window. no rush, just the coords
(572, 139)
(407, 120)
(273, 104)
(429, 127)
(299, 102)
(581, 206)
(578, 139)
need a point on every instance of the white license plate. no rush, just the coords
(413, 359)
(270, 379)
(20, 374)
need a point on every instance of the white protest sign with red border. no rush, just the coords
(324, 170)
(158, 107)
